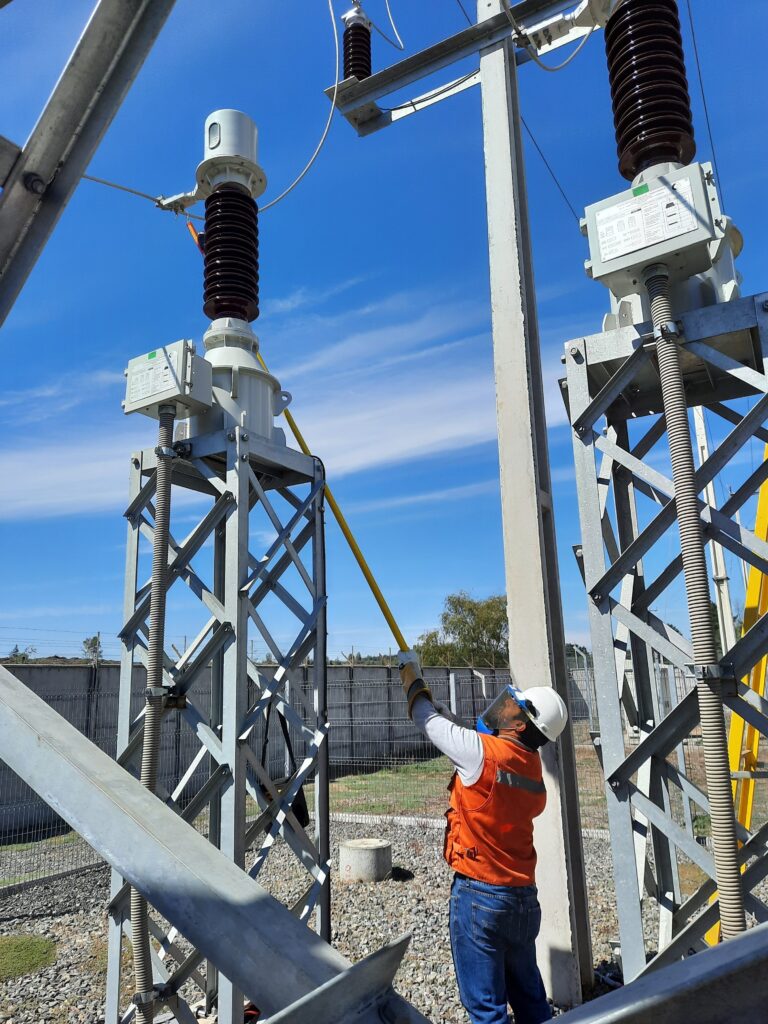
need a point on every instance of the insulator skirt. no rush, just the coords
(651, 103)
(231, 254)
(357, 51)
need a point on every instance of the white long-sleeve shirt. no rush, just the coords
(461, 745)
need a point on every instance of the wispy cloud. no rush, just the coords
(54, 398)
(445, 496)
(383, 424)
(63, 610)
(301, 298)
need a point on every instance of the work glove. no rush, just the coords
(411, 678)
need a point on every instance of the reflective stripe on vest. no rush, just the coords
(520, 782)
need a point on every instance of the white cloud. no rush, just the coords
(300, 298)
(386, 422)
(63, 610)
(444, 496)
(440, 321)
(66, 392)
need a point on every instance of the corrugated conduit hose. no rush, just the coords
(153, 708)
(717, 766)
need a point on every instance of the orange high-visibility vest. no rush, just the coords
(489, 835)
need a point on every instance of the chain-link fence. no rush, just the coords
(380, 766)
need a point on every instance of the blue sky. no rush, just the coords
(375, 304)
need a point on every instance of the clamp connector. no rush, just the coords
(163, 452)
(723, 675)
(669, 331)
(170, 695)
(144, 998)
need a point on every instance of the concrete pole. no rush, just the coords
(536, 641)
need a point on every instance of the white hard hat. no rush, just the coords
(547, 710)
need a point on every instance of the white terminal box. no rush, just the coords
(674, 219)
(169, 375)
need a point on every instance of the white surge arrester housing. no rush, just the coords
(170, 375)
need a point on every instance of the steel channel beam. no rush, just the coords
(612, 389)
(607, 687)
(670, 731)
(646, 696)
(320, 691)
(738, 499)
(725, 983)
(105, 61)
(704, 475)
(277, 961)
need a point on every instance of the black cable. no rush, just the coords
(426, 100)
(539, 150)
(464, 12)
(547, 164)
(704, 101)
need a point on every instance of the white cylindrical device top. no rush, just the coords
(231, 153)
(231, 133)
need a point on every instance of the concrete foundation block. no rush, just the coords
(365, 860)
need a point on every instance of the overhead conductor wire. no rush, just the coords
(704, 100)
(327, 128)
(399, 45)
(525, 124)
(295, 182)
(464, 12)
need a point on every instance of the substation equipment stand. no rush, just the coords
(678, 336)
(252, 486)
(536, 636)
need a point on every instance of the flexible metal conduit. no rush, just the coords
(699, 606)
(153, 708)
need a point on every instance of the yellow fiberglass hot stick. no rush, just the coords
(348, 535)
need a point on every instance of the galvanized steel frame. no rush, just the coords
(39, 179)
(602, 395)
(238, 471)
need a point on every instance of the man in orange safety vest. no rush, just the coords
(495, 793)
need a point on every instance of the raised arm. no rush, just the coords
(461, 745)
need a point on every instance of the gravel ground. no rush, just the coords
(71, 911)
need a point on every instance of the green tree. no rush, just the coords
(19, 656)
(471, 632)
(92, 649)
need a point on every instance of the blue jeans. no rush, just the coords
(493, 941)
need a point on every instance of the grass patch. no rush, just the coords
(24, 954)
(418, 788)
(63, 840)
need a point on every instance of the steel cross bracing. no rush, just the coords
(287, 969)
(226, 707)
(647, 739)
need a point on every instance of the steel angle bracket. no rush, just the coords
(363, 993)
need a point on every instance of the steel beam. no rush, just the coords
(726, 983)
(291, 973)
(103, 65)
